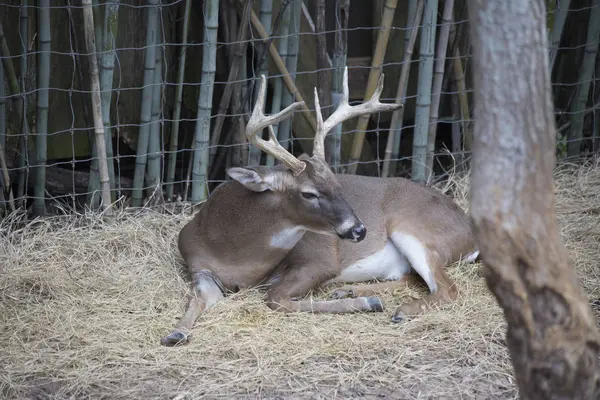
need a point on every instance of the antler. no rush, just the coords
(345, 112)
(258, 121)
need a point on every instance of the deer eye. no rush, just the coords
(309, 195)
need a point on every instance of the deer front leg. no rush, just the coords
(298, 281)
(373, 289)
(206, 292)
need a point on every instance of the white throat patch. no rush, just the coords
(287, 237)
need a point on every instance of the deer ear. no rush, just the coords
(257, 180)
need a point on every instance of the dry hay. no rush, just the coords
(84, 303)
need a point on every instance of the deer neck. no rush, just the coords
(252, 220)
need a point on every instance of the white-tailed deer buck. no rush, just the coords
(297, 226)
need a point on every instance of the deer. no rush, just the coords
(298, 226)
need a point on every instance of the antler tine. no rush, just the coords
(258, 121)
(345, 111)
(320, 134)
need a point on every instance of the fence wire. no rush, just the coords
(69, 157)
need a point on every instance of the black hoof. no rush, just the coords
(175, 338)
(399, 317)
(341, 294)
(375, 304)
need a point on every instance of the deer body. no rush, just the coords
(297, 226)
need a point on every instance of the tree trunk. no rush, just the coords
(551, 334)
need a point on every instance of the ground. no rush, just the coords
(84, 303)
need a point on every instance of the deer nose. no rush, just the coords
(359, 232)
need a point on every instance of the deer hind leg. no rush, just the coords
(441, 288)
(373, 289)
(206, 292)
(299, 281)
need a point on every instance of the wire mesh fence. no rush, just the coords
(177, 81)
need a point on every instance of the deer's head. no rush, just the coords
(306, 185)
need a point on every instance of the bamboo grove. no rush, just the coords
(195, 68)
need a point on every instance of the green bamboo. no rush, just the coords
(146, 106)
(427, 48)
(202, 133)
(560, 16)
(43, 81)
(282, 49)
(438, 79)
(153, 172)
(172, 163)
(340, 54)
(392, 149)
(285, 127)
(266, 17)
(88, 25)
(586, 73)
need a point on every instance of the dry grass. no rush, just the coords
(83, 304)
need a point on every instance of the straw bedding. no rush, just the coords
(84, 303)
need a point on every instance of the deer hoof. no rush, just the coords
(375, 303)
(399, 316)
(342, 293)
(175, 338)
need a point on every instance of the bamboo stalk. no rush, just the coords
(461, 89)
(20, 105)
(234, 69)
(172, 163)
(560, 16)
(266, 16)
(146, 106)
(93, 196)
(380, 47)
(438, 79)
(202, 133)
(392, 148)
(97, 105)
(107, 26)
(153, 174)
(282, 48)
(245, 95)
(284, 131)
(586, 73)
(2, 108)
(282, 69)
(5, 177)
(43, 81)
(340, 53)
(107, 66)
(427, 46)
(323, 72)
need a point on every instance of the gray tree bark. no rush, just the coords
(551, 336)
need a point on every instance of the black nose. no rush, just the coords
(359, 233)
